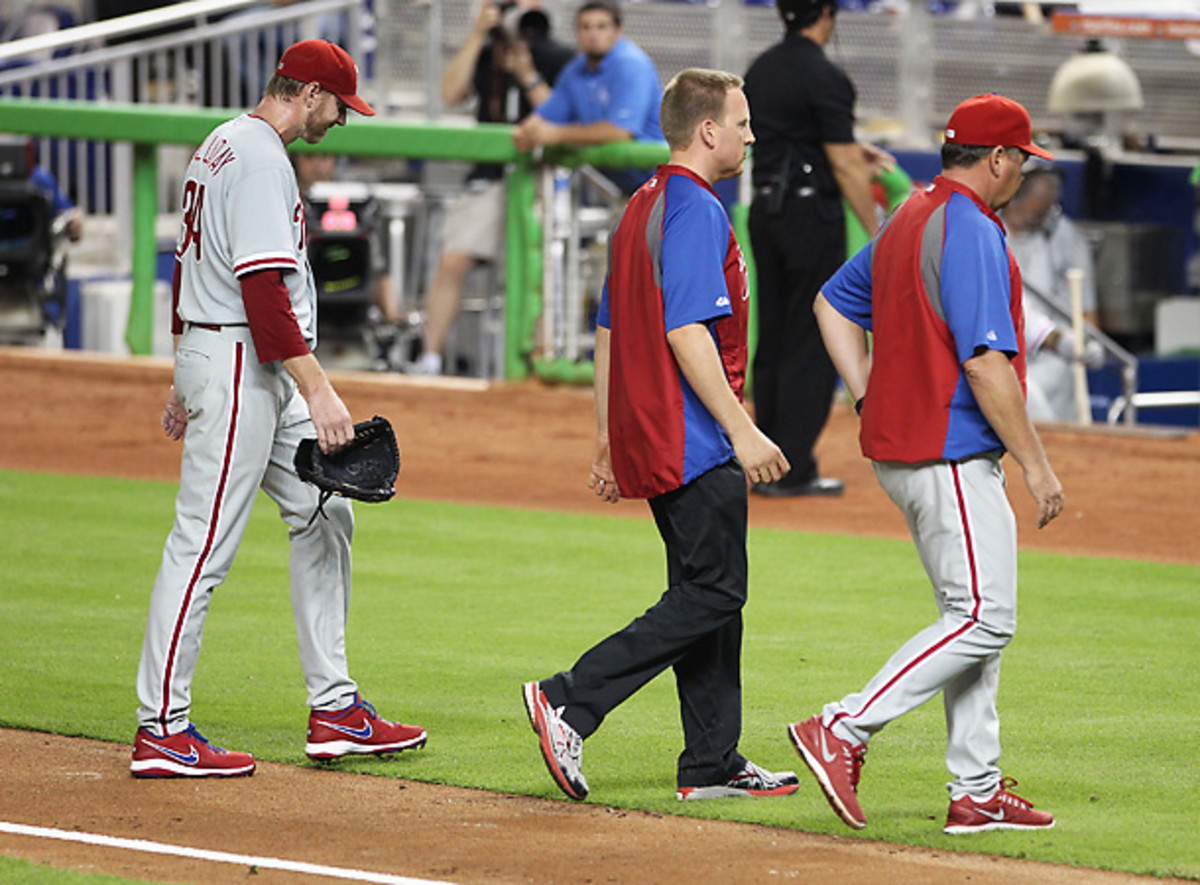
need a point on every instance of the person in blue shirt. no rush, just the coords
(610, 91)
(60, 203)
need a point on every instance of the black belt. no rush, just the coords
(217, 327)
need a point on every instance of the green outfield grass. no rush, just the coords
(20, 872)
(455, 606)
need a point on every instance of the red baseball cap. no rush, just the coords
(993, 120)
(327, 65)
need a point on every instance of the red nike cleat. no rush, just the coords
(187, 754)
(1004, 811)
(358, 729)
(836, 764)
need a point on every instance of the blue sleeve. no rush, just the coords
(602, 319)
(695, 241)
(558, 107)
(976, 287)
(849, 290)
(635, 96)
(42, 177)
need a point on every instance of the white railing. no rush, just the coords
(575, 237)
(216, 53)
(1113, 353)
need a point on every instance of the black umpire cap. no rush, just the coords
(798, 14)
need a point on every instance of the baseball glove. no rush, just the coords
(366, 469)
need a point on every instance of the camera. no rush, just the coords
(506, 31)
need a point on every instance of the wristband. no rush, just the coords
(534, 83)
(858, 405)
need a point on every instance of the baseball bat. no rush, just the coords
(1083, 404)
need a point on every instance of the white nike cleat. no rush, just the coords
(750, 781)
(561, 745)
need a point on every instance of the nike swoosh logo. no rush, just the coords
(191, 758)
(361, 733)
(825, 754)
(992, 815)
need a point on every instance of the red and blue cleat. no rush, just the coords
(358, 729)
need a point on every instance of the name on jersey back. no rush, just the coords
(216, 154)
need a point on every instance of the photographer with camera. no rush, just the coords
(609, 92)
(508, 62)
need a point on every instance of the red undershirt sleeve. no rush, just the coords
(176, 322)
(273, 325)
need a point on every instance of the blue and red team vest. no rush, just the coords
(937, 286)
(673, 261)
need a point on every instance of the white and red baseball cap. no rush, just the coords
(992, 119)
(327, 65)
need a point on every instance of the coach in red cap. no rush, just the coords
(941, 394)
(993, 120)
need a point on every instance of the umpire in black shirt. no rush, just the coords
(806, 160)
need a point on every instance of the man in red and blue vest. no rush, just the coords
(942, 399)
(670, 364)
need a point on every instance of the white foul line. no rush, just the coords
(266, 863)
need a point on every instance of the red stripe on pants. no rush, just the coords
(966, 527)
(238, 361)
(976, 597)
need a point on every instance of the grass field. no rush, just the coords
(455, 606)
(20, 872)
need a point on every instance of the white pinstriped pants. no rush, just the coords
(966, 534)
(244, 423)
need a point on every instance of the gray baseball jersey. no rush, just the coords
(242, 213)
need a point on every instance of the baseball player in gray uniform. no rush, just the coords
(247, 390)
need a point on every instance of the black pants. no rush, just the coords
(696, 628)
(795, 252)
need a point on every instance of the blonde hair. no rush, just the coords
(693, 95)
(283, 87)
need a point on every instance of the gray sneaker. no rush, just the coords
(562, 747)
(750, 781)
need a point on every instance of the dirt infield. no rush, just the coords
(518, 445)
(430, 832)
(527, 445)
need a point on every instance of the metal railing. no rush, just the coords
(148, 128)
(131, 58)
(216, 53)
(151, 127)
(1112, 351)
(910, 67)
(579, 207)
